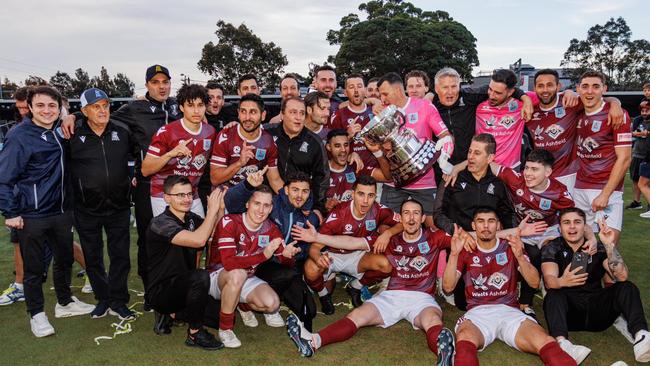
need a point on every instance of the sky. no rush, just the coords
(42, 37)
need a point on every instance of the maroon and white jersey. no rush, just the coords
(192, 166)
(227, 149)
(539, 205)
(555, 130)
(236, 246)
(341, 181)
(596, 144)
(341, 221)
(490, 277)
(322, 133)
(415, 262)
(345, 117)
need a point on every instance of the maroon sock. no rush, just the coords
(372, 277)
(432, 338)
(552, 355)
(226, 321)
(244, 307)
(338, 331)
(317, 285)
(466, 354)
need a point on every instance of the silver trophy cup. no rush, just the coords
(410, 158)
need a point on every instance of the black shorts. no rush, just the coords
(393, 197)
(634, 169)
(644, 170)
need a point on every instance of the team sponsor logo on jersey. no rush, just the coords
(348, 228)
(346, 196)
(545, 204)
(476, 262)
(371, 225)
(402, 262)
(424, 247)
(539, 133)
(304, 147)
(512, 106)
(507, 121)
(263, 241)
(479, 282)
(419, 263)
(350, 177)
(83, 139)
(595, 126)
(502, 258)
(184, 162)
(497, 280)
(490, 122)
(207, 144)
(624, 137)
(413, 118)
(114, 136)
(490, 189)
(554, 131)
(590, 144)
(260, 154)
(222, 138)
(560, 112)
(199, 161)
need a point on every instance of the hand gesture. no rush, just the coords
(180, 150)
(457, 243)
(290, 250)
(246, 154)
(354, 158)
(591, 246)
(570, 278)
(605, 233)
(517, 246)
(353, 128)
(527, 228)
(450, 179)
(372, 146)
(215, 200)
(256, 179)
(308, 234)
(324, 261)
(272, 247)
(469, 242)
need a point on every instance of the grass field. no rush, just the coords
(400, 345)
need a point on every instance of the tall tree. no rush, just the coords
(33, 80)
(8, 88)
(239, 51)
(63, 82)
(104, 82)
(124, 87)
(609, 48)
(398, 36)
(80, 82)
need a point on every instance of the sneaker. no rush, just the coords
(11, 295)
(300, 336)
(146, 307)
(645, 215)
(642, 346)
(365, 294)
(634, 205)
(619, 363)
(100, 311)
(445, 347)
(621, 325)
(41, 326)
(81, 273)
(326, 304)
(74, 308)
(577, 352)
(229, 339)
(162, 324)
(248, 318)
(122, 312)
(528, 310)
(355, 296)
(88, 288)
(274, 320)
(203, 339)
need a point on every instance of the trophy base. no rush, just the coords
(405, 173)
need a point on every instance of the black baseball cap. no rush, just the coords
(156, 69)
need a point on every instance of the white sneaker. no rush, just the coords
(248, 317)
(621, 325)
(642, 346)
(41, 326)
(577, 352)
(619, 363)
(229, 339)
(645, 215)
(76, 307)
(87, 289)
(274, 320)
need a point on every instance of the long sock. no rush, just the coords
(552, 355)
(317, 285)
(338, 331)
(466, 354)
(372, 277)
(432, 338)
(226, 321)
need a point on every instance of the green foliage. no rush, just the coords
(63, 81)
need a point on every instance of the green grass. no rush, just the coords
(74, 339)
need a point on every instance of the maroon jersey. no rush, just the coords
(415, 262)
(236, 246)
(539, 205)
(322, 133)
(341, 221)
(227, 149)
(345, 117)
(555, 130)
(192, 166)
(490, 277)
(596, 143)
(341, 181)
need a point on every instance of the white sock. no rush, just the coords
(323, 292)
(315, 340)
(18, 286)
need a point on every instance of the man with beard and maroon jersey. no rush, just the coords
(215, 118)
(317, 114)
(372, 90)
(490, 274)
(245, 148)
(288, 88)
(413, 256)
(325, 81)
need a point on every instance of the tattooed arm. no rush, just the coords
(614, 263)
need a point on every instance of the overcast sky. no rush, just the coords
(41, 37)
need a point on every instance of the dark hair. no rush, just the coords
(569, 210)
(261, 189)
(391, 78)
(20, 94)
(410, 200)
(314, 98)
(354, 76)
(190, 92)
(212, 85)
(336, 132)
(250, 97)
(488, 140)
(364, 180)
(484, 209)
(283, 106)
(505, 76)
(373, 80)
(244, 78)
(318, 69)
(593, 74)
(418, 74)
(297, 176)
(173, 180)
(646, 86)
(547, 72)
(541, 156)
(289, 76)
(46, 90)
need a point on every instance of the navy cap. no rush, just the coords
(156, 69)
(92, 96)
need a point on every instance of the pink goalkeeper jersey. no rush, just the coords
(507, 127)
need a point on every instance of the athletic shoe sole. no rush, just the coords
(190, 343)
(445, 348)
(293, 329)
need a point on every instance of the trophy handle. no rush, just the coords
(402, 117)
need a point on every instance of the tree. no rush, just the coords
(397, 36)
(8, 88)
(35, 81)
(80, 82)
(239, 51)
(63, 82)
(103, 82)
(124, 87)
(610, 50)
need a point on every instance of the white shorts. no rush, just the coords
(613, 212)
(395, 305)
(551, 232)
(569, 181)
(496, 322)
(158, 206)
(346, 263)
(249, 285)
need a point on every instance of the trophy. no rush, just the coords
(410, 158)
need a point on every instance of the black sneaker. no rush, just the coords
(162, 324)
(295, 330)
(634, 205)
(326, 304)
(146, 307)
(528, 310)
(100, 311)
(203, 339)
(355, 296)
(445, 348)
(122, 312)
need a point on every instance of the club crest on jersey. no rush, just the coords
(490, 189)
(545, 204)
(263, 241)
(260, 154)
(502, 258)
(554, 131)
(512, 106)
(191, 225)
(479, 282)
(507, 121)
(476, 262)
(424, 247)
(419, 263)
(114, 136)
(304, 147)
(497, 280)
(207, 144)
(174, 109)
(595, 126)
(371, 225)
(560, 112)
(350, 177)
(199, 161)
(520, 192)
(413, 118)
(236, 150)
(83, 139)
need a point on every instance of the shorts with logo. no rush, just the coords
(613, 212)
(345, 263)
(551, 232)
(249, 285)
(158, 206)
(395, 305)
(569, 181)
(393, 197)
(496, 321)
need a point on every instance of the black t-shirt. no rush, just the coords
(560, 253)
(164, 259)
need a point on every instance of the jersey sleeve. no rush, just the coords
(440, 239)
(220, 150)
(549, 251)
(387, 216)
(165, 227)
(623, 134)
(331, 224)
(336, 121)
(508, 176)
(460, 265)
(436, 123)
(159, 143)
(272, 161)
